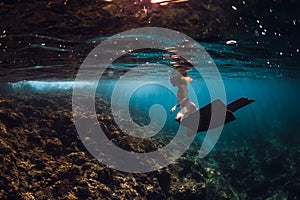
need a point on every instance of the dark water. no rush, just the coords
(263, 65)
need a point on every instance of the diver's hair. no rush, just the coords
(183, 71)
(184, 74)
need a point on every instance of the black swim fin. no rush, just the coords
(237, 104)
(200, 120)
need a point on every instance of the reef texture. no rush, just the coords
(42, 157)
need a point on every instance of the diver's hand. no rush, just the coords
(173, 109)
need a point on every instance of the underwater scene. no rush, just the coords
(149, 99)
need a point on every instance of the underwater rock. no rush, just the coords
(164, 180)
(12, 119)
(3, 129)
(191, 190)
(34, 138)
(293, 188)
(278, 196)
(217, 187)
(43, 157)
(78, 158)
(106, 177)
(53, 146)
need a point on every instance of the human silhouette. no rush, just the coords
(181, 80)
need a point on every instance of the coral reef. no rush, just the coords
(42, 157)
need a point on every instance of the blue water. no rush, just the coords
(275, 112)
(269, 76)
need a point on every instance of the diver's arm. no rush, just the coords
(177, 105)
(174, 108)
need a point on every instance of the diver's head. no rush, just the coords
(182, 71)
(177, 80)
(181, 77)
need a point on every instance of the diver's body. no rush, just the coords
(187, 107)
